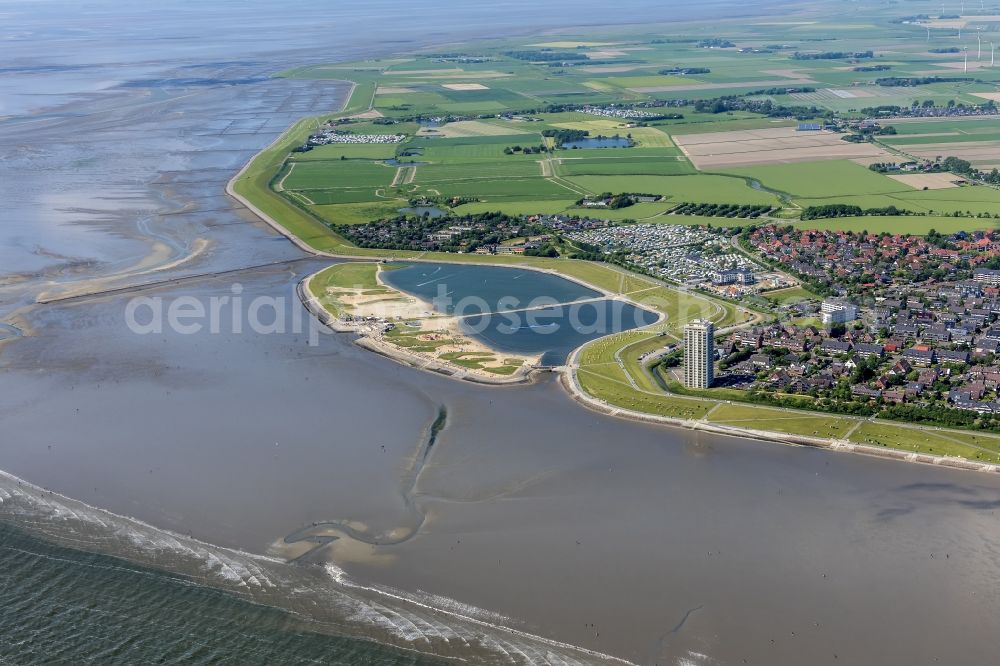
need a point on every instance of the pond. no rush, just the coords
(598, 142)
(432, 211)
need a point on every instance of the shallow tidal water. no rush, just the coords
(169, 477)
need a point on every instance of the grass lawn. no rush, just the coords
(518, 189)
(648, 81)
(630, 357)
(346, 276)
(938, 442)
(610, 166)
(358, 213)
(480, 171)
(338, 174)
(334, 151)
(336, 196)
(697, 188)
(824, 179)
(617, 392)
(790, 295)
(408, 339)
(547, 207)
(778, 420)
(351, 275)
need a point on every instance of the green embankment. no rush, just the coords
(781, 420)
(931, 441)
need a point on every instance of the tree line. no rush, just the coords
(832, 55)
(847, 210)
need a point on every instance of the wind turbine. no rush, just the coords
(979, 38)
(928, 33)
(966, 59)
(993, 54)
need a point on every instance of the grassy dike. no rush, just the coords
(607, 374)
(611, 374)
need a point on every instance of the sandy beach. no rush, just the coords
(401, 309)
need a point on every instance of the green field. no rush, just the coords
(477, 162)
(346, 276)
(637, 166)
(367, 151)
(338, 175)
(700, 188)
(822, 179)
(790, 295)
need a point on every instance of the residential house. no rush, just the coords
(831, 346)
(865, 350)
(916, 356)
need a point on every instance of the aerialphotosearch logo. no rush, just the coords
(542, 315)
(231, 314)
(234, 313)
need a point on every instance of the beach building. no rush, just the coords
(699, 353)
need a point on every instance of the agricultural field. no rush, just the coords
(822, 180)
(780, 145)
(701, 188)
(477, 125)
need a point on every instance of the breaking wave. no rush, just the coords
(322, 595)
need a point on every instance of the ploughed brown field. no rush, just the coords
(980, 153)
(778, 145)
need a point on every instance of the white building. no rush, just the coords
(990, 277)
(838, 312)
(699, 353)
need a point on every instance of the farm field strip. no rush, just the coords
(769, 146)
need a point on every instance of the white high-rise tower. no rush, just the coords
(699, 354)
